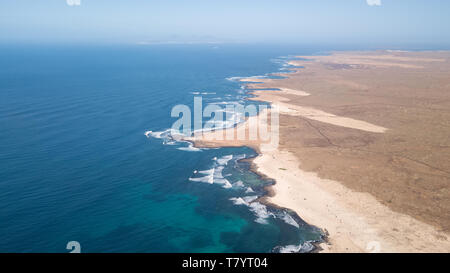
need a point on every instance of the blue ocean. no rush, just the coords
(76, 163)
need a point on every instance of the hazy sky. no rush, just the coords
(273, 21)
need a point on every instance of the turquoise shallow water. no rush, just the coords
(76, 165)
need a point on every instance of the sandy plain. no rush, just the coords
(363, 150)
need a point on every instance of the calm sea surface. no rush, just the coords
(75, 164)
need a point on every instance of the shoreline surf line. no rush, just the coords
(355, 225)
(269, 192)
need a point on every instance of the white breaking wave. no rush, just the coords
(226, 103)
(239, 184)
(261, 212)
(239, 157)
(289, 220)
(208, 172)
(168, 136)
(224, 159)
(173, 137)
(190, 148)
(238, 201)
(251, 198)
(235, 79)
(203, 93)
(169, 133)
(246, 200)
(208, 178)
(213, 176)
(302, 248)
(204, 179)
(224, 182)
(249, 190)
(219, 179)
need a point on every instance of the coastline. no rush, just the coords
(353, 221)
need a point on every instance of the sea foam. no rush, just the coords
(215, 174)
(190, 148)
(301, 248)
(288, 219)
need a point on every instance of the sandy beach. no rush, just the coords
(363, 150)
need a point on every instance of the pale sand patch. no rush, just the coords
(253, 79)
(315, 114)
(294, 92)
(367, 60)
(400, 58)
(356, 222)
(355, 61)
(294, 63)
(254, 132)
(312, 113)
(276, 96)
